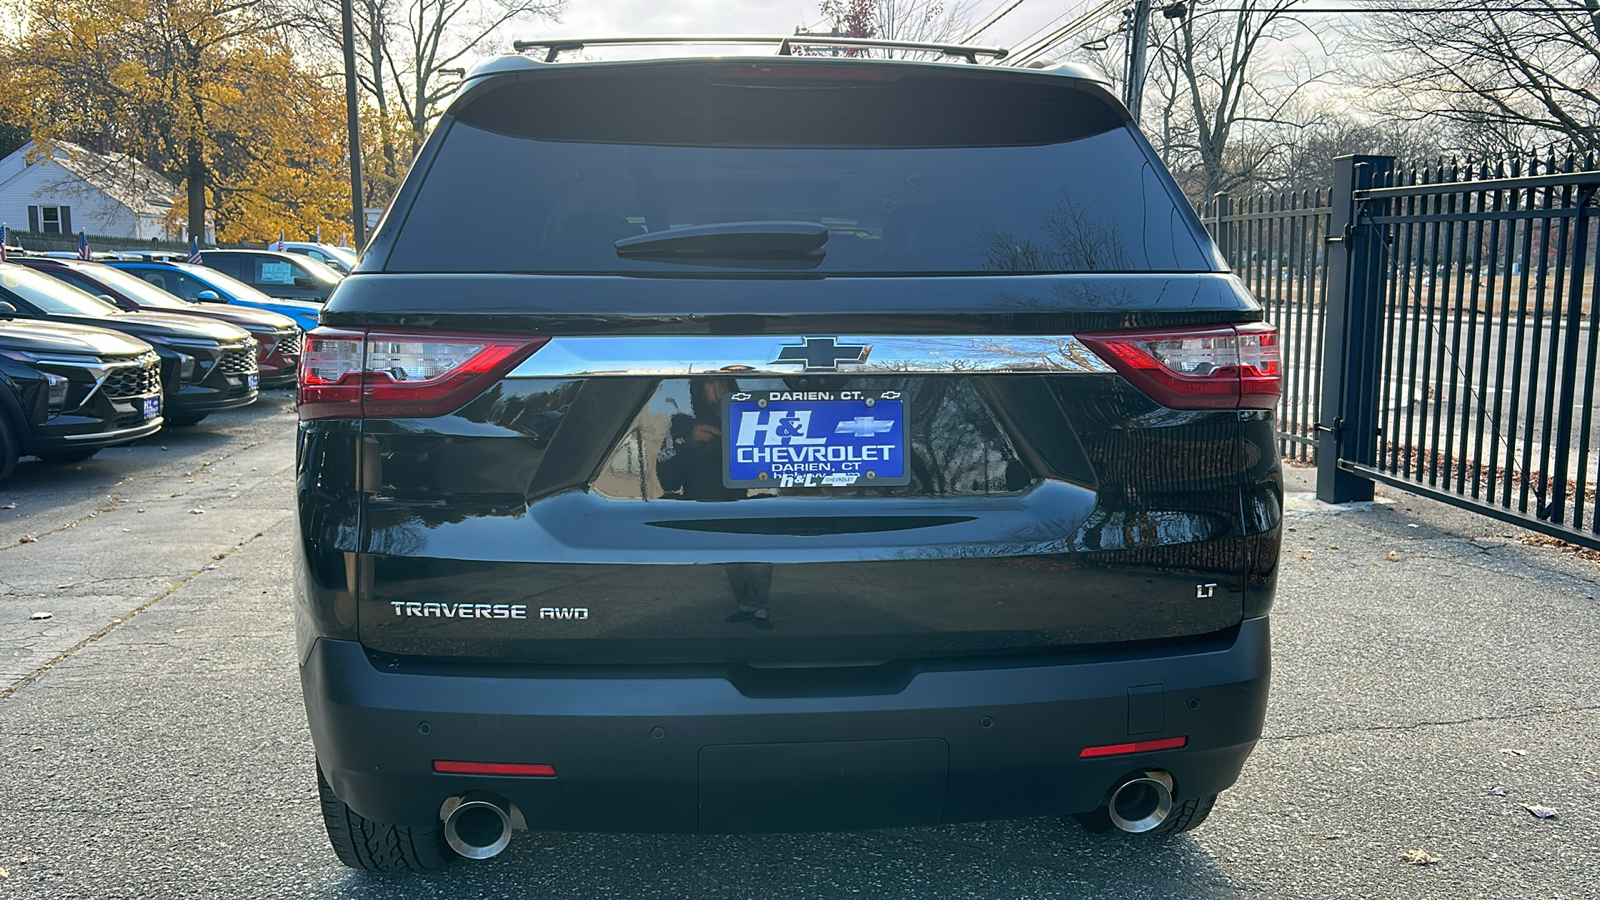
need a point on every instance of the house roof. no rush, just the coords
(119, 176)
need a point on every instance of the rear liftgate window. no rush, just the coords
(908, 171)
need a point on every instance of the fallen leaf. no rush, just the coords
(1510, 752)
(1540, 812)
(4, 874)
(70, 584)
(207, 567)
(29, 539)
(1591, 773)
(216, 556)
(163, 448)
(125, 530)
(1418, 857)
(1333, 546)
(36, 747)
(11, 505)
(1392, 556)
(197, 512)
(42, 615)
(1497, 792)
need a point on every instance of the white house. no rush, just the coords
(69, 188)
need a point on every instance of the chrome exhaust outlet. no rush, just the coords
(477, 825)
(1141, 803)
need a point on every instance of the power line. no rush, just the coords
(1037, 48)
(990, 21)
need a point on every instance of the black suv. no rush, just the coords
(67, 391)
(286, 276)
(791, 444)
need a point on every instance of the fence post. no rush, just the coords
(1348, 426)
(1222, 205)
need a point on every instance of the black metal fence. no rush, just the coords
(1277, 245)
(1438, 324)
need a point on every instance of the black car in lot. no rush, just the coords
(206, 366)
(67, 391)
(286, 276)
(792, 444)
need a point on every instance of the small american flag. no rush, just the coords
(342, 241)
(5, 238)
(194, 251)
(83, 246)
(280, 246)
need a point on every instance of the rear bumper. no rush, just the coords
(671, 752)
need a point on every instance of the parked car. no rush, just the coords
(199, 284)
(206, 366)
(277, 336)
(793, 443)
(285, 275)
(69, 391)
(339, 259)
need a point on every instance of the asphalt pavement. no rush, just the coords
(1434, 677)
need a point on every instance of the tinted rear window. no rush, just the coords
(918, 173)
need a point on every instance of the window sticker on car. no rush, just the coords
(276, 273)
(815, 439)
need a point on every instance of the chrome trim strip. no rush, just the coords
(665, 356)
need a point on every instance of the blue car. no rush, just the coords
(202, 284)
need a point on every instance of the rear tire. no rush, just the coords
(184, 421)
(1185, 816)
(361, 843)
(10, 447)
(73, 456)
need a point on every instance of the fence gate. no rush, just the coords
(1438, 324)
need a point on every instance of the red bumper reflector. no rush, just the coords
(1172, 743)
(530, 770)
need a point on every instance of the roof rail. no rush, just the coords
(555, 46)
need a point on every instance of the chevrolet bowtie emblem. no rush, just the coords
(822, 353)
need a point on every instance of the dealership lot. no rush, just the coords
(1433, 677)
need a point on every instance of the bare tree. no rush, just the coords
(1231, 87)
(410, 50)
(1509, 78)
(931, 21)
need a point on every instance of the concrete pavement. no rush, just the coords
(155, 746)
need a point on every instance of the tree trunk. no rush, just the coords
(196, 166)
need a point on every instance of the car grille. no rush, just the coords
(289, 344)
(138, 380)
(238, 361)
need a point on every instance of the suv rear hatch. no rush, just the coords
(558, 413)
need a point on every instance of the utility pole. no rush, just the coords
(1133, 76)
(358, 213)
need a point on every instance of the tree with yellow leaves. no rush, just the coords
(205, 91)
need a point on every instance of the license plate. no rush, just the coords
(814, 439)
(252, 381)
(152, 407)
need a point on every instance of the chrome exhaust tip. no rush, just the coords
(1141, 803)
(476, 826)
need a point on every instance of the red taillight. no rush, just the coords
(351, 374)
(526, 770)
(1171, 743)
(1227, 367)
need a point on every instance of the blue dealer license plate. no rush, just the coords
(152, 407)
(814, 439)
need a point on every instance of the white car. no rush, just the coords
(342, 259)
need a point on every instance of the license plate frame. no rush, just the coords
(829, 439)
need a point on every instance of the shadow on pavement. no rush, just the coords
(1036, 857)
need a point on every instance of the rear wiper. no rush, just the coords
(730, 240)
